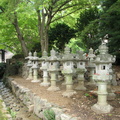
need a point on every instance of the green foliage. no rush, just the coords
(49, 114)
(59, 35)
(86, 17)
(87, 26)
(62, 10)
(18, 64)
(12, 113)
(109, 24)
(76, 44)
(2, 115)
(91, 95)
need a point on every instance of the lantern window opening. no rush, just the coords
(103, 67)
(81, 63)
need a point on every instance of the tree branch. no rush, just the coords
(65, 15)
(68, 7)
(61, 7)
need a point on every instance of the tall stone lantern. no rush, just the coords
(53, 70)
(81, 63)
(29, 65)
(35, 67)
(68, 71)
(44, 67)
(91, 66)
(102, 77)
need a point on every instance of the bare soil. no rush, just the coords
(78, 105)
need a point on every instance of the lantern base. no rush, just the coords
(29, 79)
(45, 84)
(35, 81)
(102, 108)
(69, 93)
(53, 88)
(91, 84)
(79, 87)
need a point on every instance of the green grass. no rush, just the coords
(2, 115)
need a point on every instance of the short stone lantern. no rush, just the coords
(35, 67)
(53, 70)
(29, 65)
(91, 66)
(68, 71)
(44, 67)
(80, 70)
(102, 77)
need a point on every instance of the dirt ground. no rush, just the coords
(80, 104)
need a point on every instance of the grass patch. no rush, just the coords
(2, 115)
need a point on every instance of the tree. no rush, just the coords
(49, 11)
(9, 10)
(18, 26)
(59, 35)
(88, 27)
(41, 13)
(110, 24)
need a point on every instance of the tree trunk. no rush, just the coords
(20, 35)
(43, 31)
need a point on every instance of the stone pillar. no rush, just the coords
(80, 70)
(102, 106)
(69, 85)
(53, 80)
(91, 66)
(53, 69)
(81, 79)
(68, 71)
(91, 70)
(45, 78)
(35, 72)
(44, 67)
(29, 65)
(30, 77)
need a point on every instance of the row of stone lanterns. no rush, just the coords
(99, 68)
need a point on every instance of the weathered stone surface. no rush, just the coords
(65, 117)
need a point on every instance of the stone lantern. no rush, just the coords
(91, 66)
(29, 65)
(35, 67)
(44, 67)
(53, 70)
(68, 71)
(102, 77)
(81, 63)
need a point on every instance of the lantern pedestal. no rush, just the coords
(53, 79)
(45, 82)
(80, 80)
(35, 72)
(102, 106)
(30, 77)
(91, 73)
(69, 84)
